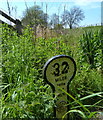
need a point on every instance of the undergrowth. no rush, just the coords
(24, 91)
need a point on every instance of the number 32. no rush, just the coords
(57, 68)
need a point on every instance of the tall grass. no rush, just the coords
(91, 47)
(23, 88)
(83, 111)
(24, 91)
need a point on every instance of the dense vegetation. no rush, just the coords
(24, 91)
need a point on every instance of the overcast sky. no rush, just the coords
(91, 8)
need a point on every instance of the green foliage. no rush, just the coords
(91, 48)
(24, 91)
(23, 94)
(34, 16)
(84, 113)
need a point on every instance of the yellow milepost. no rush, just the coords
(58, 72)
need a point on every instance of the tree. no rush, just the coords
(72, 17)
(34, 16)
(54, 20)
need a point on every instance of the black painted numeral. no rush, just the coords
(65, 67)
(57, 71)
(57, 68)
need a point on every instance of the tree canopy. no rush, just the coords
(34, 16)
(72, 17)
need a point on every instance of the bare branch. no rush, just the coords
(72, 17)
